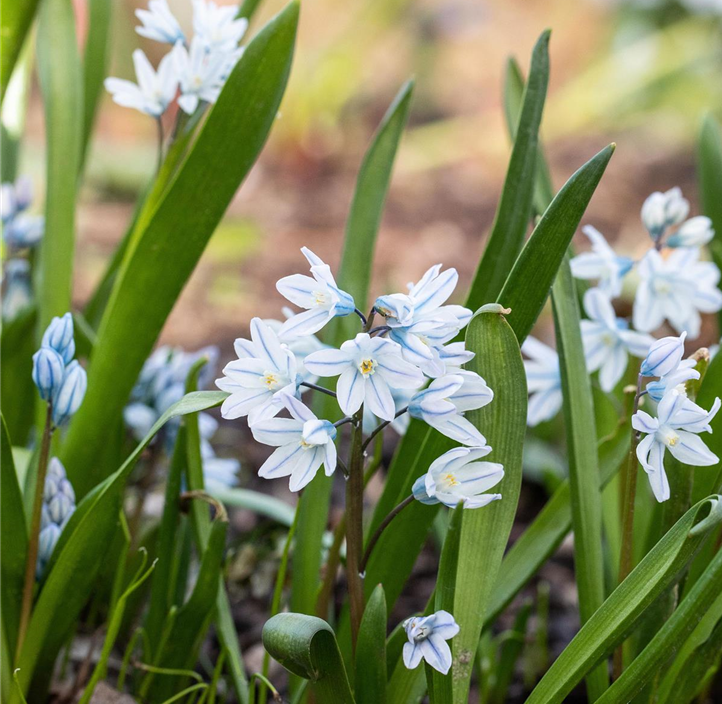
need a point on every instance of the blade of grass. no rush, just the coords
(15, 21)
(371, 652)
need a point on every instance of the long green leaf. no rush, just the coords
(15, 21)
(306, 646)
(178, 230)
(709, 173)
(609, 625)
(354, 277)
(61, 81)
(514, 212)
(262, 504)
(582, 453)
(371, 652)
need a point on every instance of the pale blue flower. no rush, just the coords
(663, 210)
(154, 90)
(69, 395)
(676, 289)
(218, 472)
(608, 341)
(59, 336)
(218, 27)
(159, 23)
(427, 636)
(304, 444)
(15, 198)
(18, 295)
(58, 506)
(442, 404)
(48, 372)
(676, 379)
(264, 368)
(664, 356)
(676, 429)
(24, 231)
(602, 264)
(458, 476)
(201, 74)
(369, 367)
(300, 345)
(543, 381)
(320, 296)
(695, 232)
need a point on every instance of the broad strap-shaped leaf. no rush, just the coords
(15, 21)
(514, 211)
(354, 276)
(61, 81)
(370, 680)
(609, 625)
(584, 477)
(709, 173)
(670, 637)
(306, 646)
(13, 543)
(178, 230)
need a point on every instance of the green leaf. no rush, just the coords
(13, 542)
(485, 531)
(306, 646)
(61, 82)
(354, 276)
(514, 211)
(584, 478)
(609, 625)
(262, 504)
(371, 652)
(15, 21)
(187, 212)
(510, 648)
(670, 637)
(709, 173)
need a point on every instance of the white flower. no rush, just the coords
(304, 444)
(419, 321)
(154, 91)
(441, 405)
(301, 345)
(369, 367)
(608, 341)
(695, 232)
(664, 356)
(427, 640)
(219, 28)
(458, 476)
(662, 210)
(676, 379)
(263, 370)
(675, 428)
(543, 381)
(201, 74)
(676, 289)
(159, 23)
(602, 263)
(320, 296)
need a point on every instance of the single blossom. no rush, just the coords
(664, 356)
(201, 74)
(304, 444)
(442, 404)
(676, 379)
(677, 289)
(154, 90)
(159, 23)
(427, 636)
(60, 336)
(264, 369)
(695, 232)
(368, 369)
(543, 381)
(70, 394)
(48, 372)
(608, 341)
(318, 294)
(663, 210)
(602, 264)
(218, 27)
(458, 476)
(676, 428)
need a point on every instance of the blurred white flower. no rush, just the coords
(602, 264)
(218, 27)
(543, 381)
(159, 23)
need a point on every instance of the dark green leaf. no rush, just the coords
(371, 652)
(15, 21)
(709, 173)
(510, 648)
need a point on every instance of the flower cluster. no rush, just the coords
(58, 507)
(59, 378)
(21, 232)
(197, 67)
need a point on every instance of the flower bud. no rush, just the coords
(24, 231)
(396, 306)
(48, 372)
(47, 540)
(661, 210)
(419, 492)
(70, 395)
(59, 336)
(696, 232)
(664, 356)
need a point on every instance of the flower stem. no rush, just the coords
(34, 536)
(159, 123)
(382, 527)
(381, 426)
(316, 387)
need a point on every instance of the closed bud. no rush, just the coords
(59, 336)
(664, 356)
(70, 394)
(47, 540)
(48, 372)
(696, 232)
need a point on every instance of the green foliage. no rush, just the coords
(370, 687)
(709, 173)
(15, 21)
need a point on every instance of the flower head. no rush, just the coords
(218, 27)
(58, 506)
(695, 232)
(427, 636)
(159, 23)
(602, 264)
(543, 381)
(201, 74)
(662, 210)
(458, 476)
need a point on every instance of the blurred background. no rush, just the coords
(639, 73)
